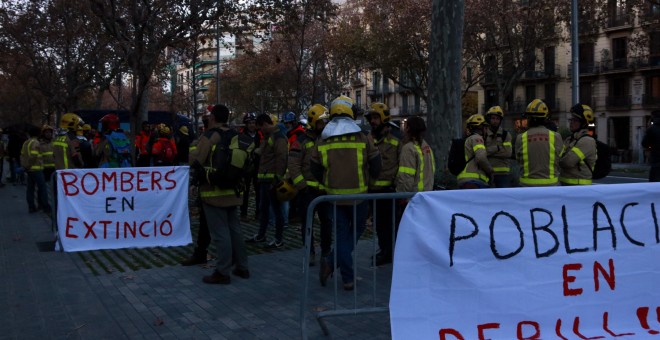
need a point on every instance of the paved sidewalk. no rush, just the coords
(52, 295)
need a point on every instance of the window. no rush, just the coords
(551, 96)
(585, 93)
(376, 82)
(586, 58)
(619, 53)
(549, 60)
(530, 93)
(654, 48)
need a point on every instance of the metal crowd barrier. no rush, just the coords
(340, 310)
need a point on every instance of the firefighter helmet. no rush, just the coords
(164, 130)
(537, 108)
(285, 191)
(315, 113)
(45, 127)
(342, 106)
(476, 121)
(249, 117)
(110, 122)
(495, 110)
(583, 112)
(70, 121)
(382, 110)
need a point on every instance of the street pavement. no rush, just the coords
(54, 295)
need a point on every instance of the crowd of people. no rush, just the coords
(324, 152)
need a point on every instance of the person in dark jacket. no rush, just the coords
(651, 141)
(182, 145)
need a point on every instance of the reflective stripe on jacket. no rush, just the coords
(578, 158)
(477, 168)
(31, 156)
(390, 148)
(499, 151)
(537, 151)
(273, 158)
(416, 168)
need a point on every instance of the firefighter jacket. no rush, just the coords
(578, 157)
(477, 168)
(46, 150)
(274, 151)
(416, 168)
(498, 149)
(344, 163)
(300, 157)
(31, 156)
(210, 194)
(66, 151)
(537, 151)
(389, 147)
(295, 133)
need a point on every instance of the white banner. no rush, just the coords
(123, 208)
(529, 263)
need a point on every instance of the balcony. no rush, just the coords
(650, 101)
(410, 110)
(586, 69)
(553, 104)
(618, 102)
(646, 62)
(375, 91)
(357, 82)
(619, 21)
(616, 65)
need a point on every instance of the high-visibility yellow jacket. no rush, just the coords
(477, 168)
(31, 156)
(537, 151)
(299, 162)
(46, 150)
(389, 147)
(498, 149)
(66, 151)
(578, 158)
(416, 168)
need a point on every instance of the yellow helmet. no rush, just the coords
(274, 118)
(316, 113)
(164, 130)
(537, 108)
(476, 121)
(285, 191)
(382, 110)
(87, 128)
(583, 113)
(79, 131)
(70, 121)
(495, 110)
(342, 106)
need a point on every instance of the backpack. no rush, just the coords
(456, 161)
(604, 160)
(166, 154)
(120, 154)
(230, 160)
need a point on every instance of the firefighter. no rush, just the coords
(272, 167)
(114, 148)
(66, 147)
(33, 165)
(250, 129)
(578, 155)
(498, 148)
(538, 149)
(389, 147)
(478, 171)
(142, 145)
(343, 161)
(308, 188)
(163, 151)
(46, 150)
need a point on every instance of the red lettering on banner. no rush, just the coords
(558, 330)
(140, 180)
(642, 315)
(142, 233)
(450, 331)
(155, 180)
(96, 185)
(537, 330)
(68, 184)
(127, 181)
(90, 229)
(171, 181)
(609, 278)
(576, 330)
(568, 279)
(127, 229)
(481, 328)
(69, 226)
(109, 178)
(606, 326)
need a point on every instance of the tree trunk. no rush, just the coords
(444, 118)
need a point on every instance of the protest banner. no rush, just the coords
(529, 263)
(122, 208)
